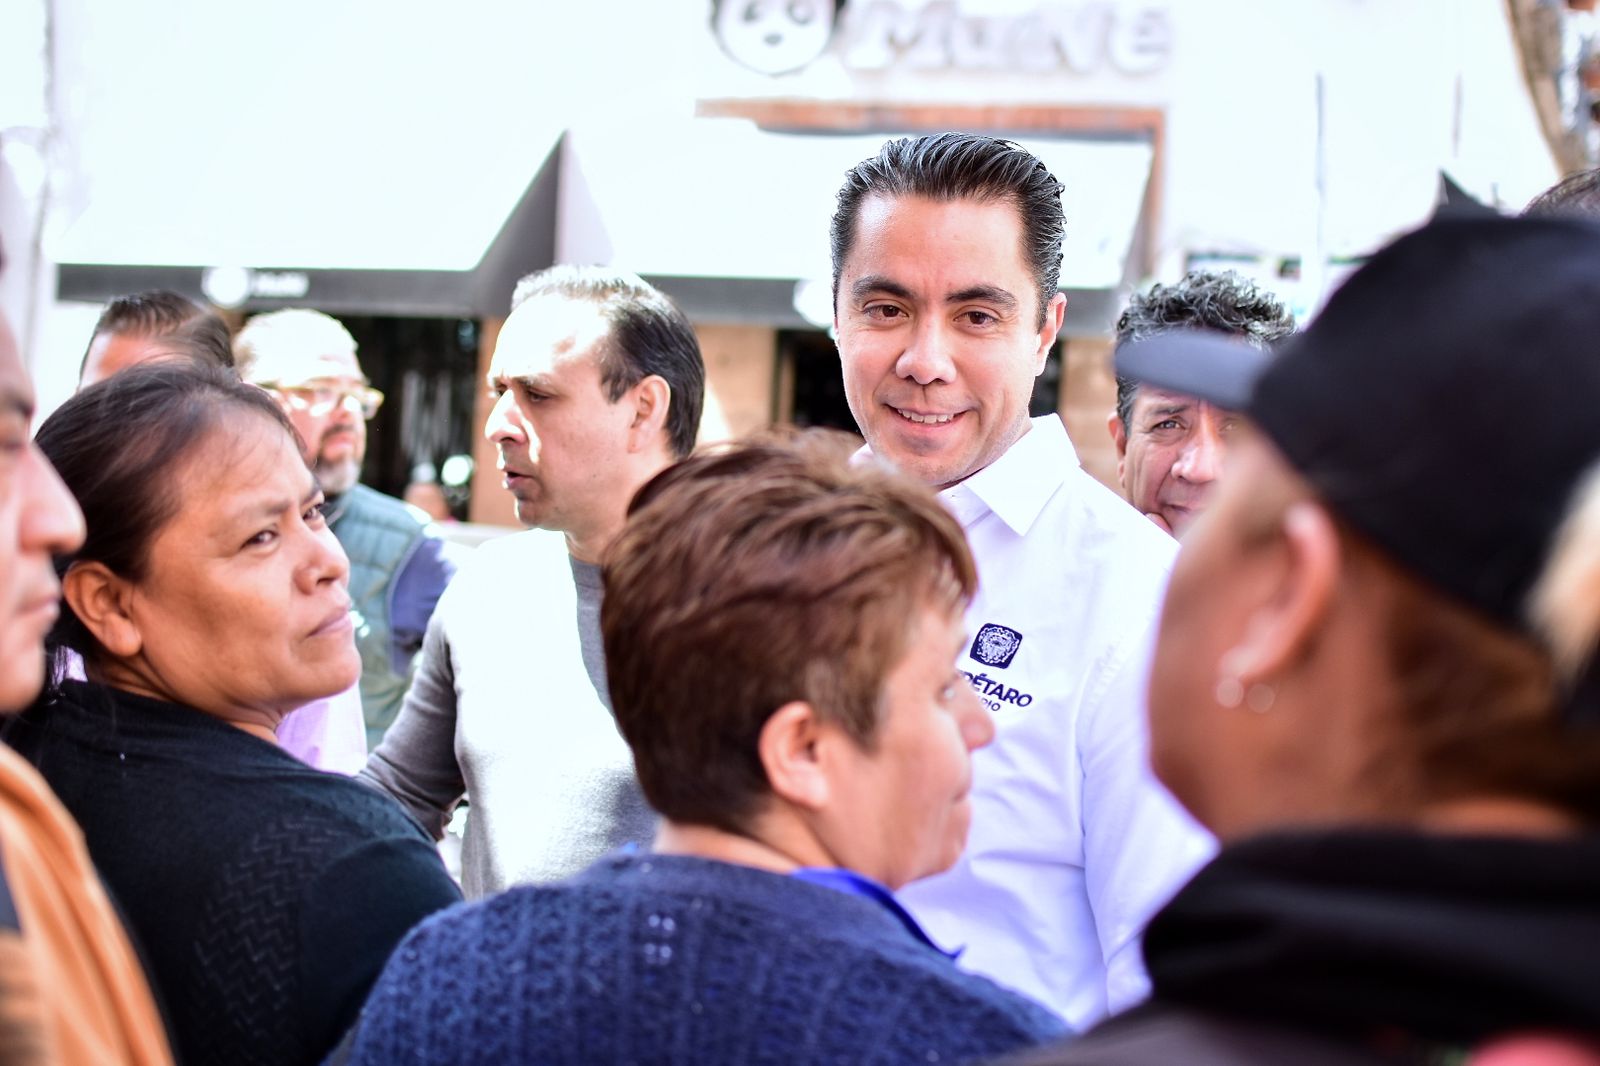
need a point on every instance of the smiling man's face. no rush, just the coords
(940, 333)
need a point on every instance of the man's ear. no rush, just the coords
(101, 599)
(1055, 312)
(651, 398)
(1280, 631)
(789, 748)
(1119, 437)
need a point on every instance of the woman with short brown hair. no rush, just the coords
(781, 634)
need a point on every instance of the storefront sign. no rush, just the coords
(1080, 38)
(232, 286)
(774, 36)
(782, 36)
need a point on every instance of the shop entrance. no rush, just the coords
(811, 386)
(427, 369)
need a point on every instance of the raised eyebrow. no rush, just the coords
(524, 381)
(271, 508)
(990, 294)
(876, 283)
(535, 382)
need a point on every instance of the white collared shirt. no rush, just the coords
(1074, 845)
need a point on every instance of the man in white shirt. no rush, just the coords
(946, 257)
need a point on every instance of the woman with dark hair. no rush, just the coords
(162, 326)
(207, 601)
(1375, 682)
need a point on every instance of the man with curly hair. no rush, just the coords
(1170, 444)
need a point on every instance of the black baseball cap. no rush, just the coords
(1445, 402)
(1219, 367)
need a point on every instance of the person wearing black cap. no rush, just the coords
(1375, 680)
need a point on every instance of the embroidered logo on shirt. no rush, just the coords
(996, 645)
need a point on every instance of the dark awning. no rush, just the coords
(728, 219)
(375, 241)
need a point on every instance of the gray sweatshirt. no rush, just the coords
(505, 709)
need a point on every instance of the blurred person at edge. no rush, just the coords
(153, 325)
(1575, 196)
(1170, 444)
(163, 326)
(946, 255)
(71, 987)
(781, 631)
(399, 562)
(597, 383)
(1375, 678)
(207, 600)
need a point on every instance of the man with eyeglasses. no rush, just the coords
(398, 562)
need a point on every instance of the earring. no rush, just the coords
(1260, 698)
(1231, 690)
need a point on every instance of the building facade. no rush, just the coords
(280, 161)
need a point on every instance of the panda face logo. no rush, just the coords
(774, 36)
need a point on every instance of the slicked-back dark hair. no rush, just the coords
(165, 315)
(647, 335)
(961, 166)
(1221, 301)
(1575, 196)
(118, 445)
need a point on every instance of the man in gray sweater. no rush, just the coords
(598, 384)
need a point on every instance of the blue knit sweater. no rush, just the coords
(669, 959)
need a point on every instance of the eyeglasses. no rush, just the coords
(320, 399)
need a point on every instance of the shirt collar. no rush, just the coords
(1017, 485)
(854, 884)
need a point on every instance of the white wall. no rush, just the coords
(262, 106)
(23, 154)
(1407, 87)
